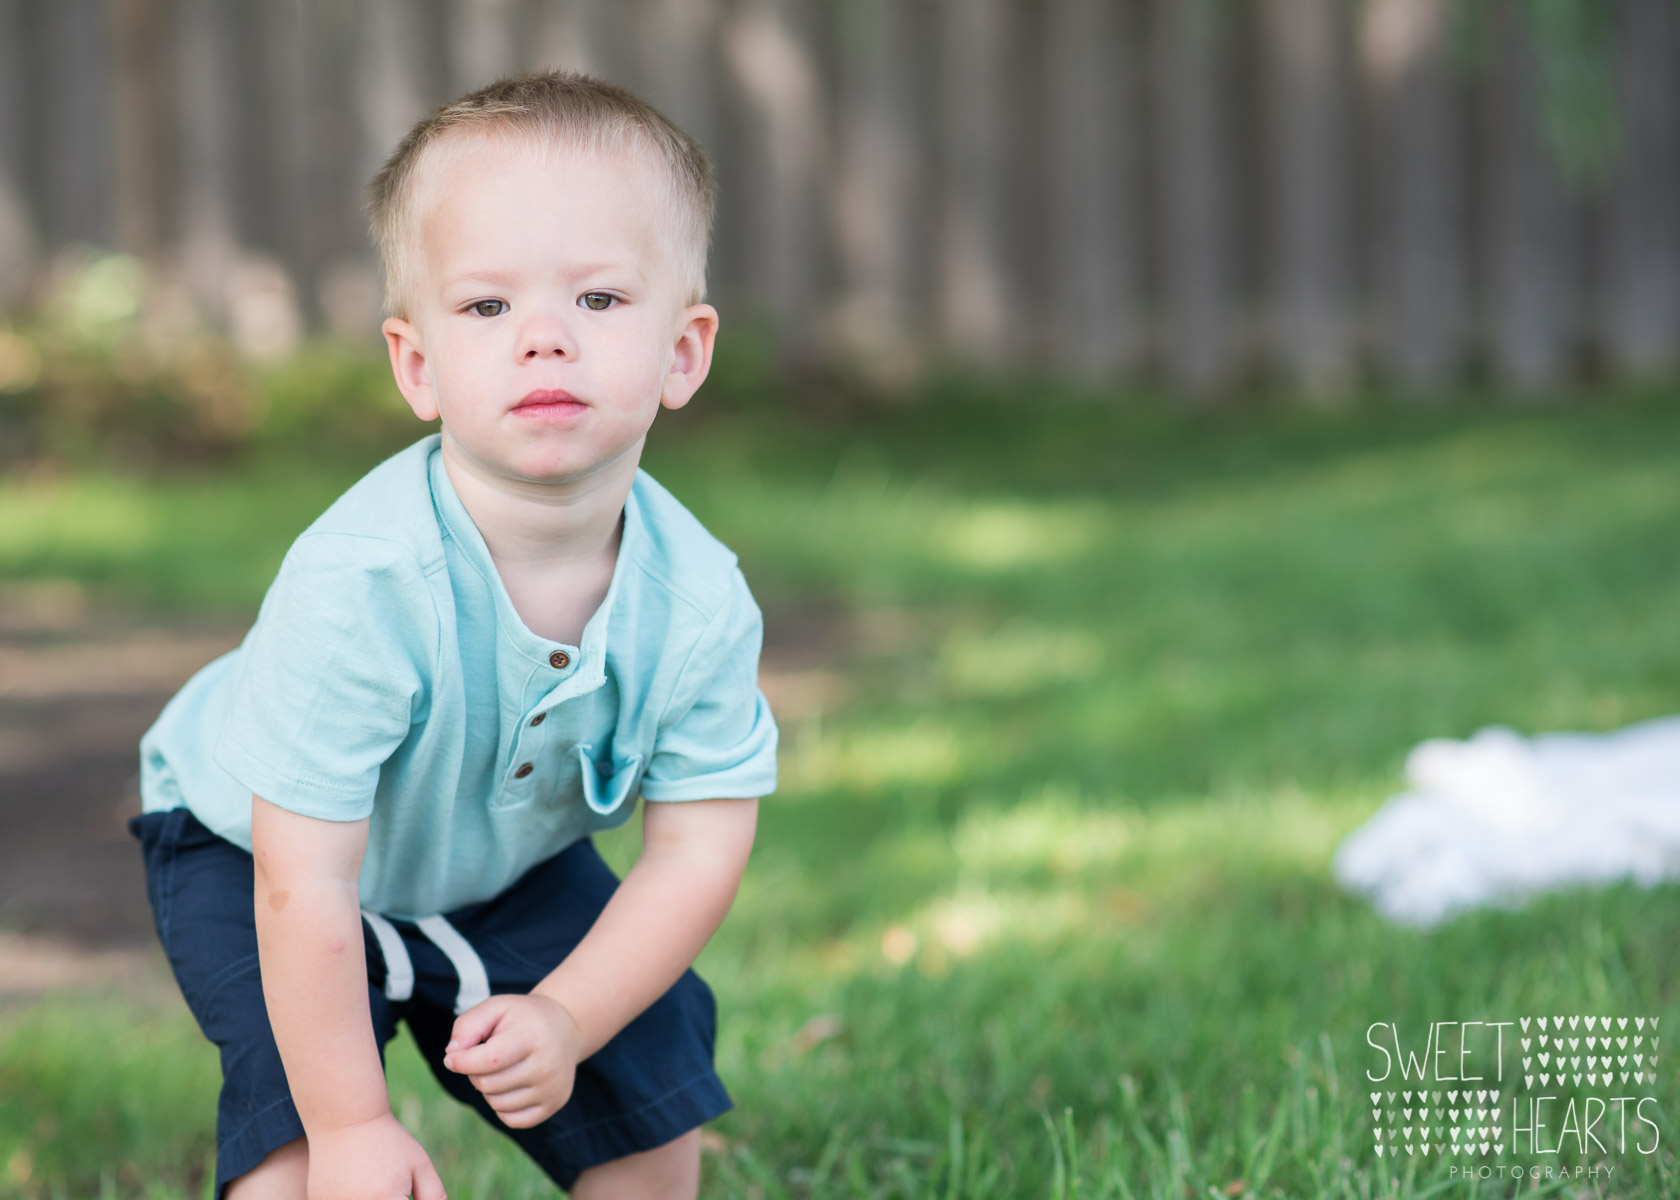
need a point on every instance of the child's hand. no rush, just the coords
(521, 1052)
(374, 1160)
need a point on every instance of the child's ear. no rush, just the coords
(692, 358)
(408, 366)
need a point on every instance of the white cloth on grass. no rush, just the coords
(1494, 819)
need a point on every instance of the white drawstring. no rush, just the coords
(469, 968)
(399, 970)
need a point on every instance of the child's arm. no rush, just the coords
(314, 972)
(522, 1051)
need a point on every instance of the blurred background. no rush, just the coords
(1141, 421)
(1195, 192)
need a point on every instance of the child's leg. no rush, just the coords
(670, 1172)
(632, 1124)
(200, 888)
(283, 1175)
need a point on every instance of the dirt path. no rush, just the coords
(78, 686)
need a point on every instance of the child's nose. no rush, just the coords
(546, 336)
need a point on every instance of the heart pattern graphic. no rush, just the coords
(1472, 1121)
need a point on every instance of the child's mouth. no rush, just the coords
(549, 403)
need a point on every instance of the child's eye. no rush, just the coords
(495, 307)
(597, 301)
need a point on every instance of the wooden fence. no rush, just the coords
(1322, 192)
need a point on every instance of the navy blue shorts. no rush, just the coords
(647, 1086)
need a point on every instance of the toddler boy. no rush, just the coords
(478, 656)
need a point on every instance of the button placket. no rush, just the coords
(529, 744)
(560, 661)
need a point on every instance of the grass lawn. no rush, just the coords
(1089, 697)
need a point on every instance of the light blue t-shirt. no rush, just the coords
(388, 674)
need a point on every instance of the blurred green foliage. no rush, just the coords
(90, 380)
(1574, 47)
(102, 397)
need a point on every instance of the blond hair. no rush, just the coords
(549, 108)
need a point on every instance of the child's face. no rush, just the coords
(546, 325)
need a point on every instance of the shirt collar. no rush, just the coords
(591, 653)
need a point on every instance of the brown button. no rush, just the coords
(559, 660)
(524, 770)
(538, 719)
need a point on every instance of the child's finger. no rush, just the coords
(509, 1078)
(515, 1101)
(475, 1025)
(525, 1118)
(492, 1054)
(489, 1056)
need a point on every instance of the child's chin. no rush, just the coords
(550, 468)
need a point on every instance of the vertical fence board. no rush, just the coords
(391, 94)
(288, 145)
(778, 86)
(677, 51)
(1198, 270)
(481, 43)
(1307, 168)
(340, 168)
(678, 54)
(262, 310)
(1642, 255)
(1020, 157)
(1421, 202)
(77, 123)
(207, 233)
(969, 202)
(610, 30)
(876, 186)
(555, 37)
(737, 157)
(1091, 128)
(17, 223)
(251, 117)
(1530, 223)
(139, 118)
(726, 285)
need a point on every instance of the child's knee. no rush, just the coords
(669, 1172)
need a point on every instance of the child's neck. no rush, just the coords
(554, 547)
(533, 529)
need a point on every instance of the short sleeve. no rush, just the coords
(717, 740)
(334, 673)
